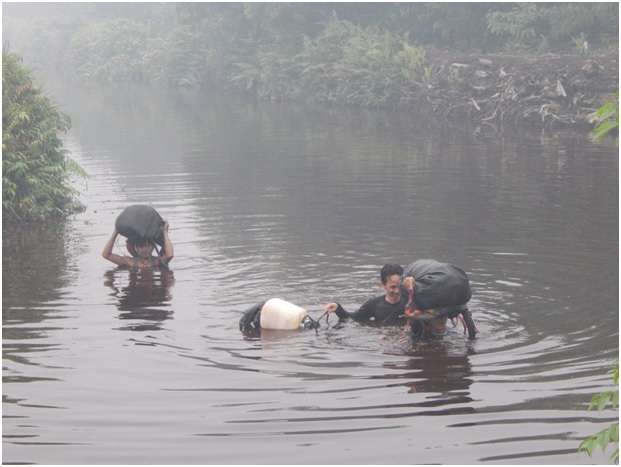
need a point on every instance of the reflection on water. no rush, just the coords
(307, 204)
(139, 293)
(433, 368)
(34, 267)
(35, 271)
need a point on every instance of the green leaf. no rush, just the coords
(614, 432)
(602, 439)
(603, 401)
(588, 445)
(601, 130)
(607, 110)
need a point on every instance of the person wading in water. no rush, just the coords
(386, 309)
(143, 249)
(423, 298)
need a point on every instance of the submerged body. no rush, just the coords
(142, 250)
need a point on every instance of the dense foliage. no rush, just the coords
(35, 168)
(345, 64)
(528, 25)
(354, 53)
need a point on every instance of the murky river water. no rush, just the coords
(307, 204)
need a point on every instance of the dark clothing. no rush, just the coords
(377, 309)
(250, 322)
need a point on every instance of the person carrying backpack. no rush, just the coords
(144, 228)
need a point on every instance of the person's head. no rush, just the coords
(390, 270)
(390, 275)
(143, 247)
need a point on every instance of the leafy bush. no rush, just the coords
(611, 434)
(345, 65)
(452, 25)
(35, 168)
(110, 50)
(530, 25)
(178, 58)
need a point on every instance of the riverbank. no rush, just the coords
(496, 89)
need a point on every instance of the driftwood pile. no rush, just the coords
(551, 90)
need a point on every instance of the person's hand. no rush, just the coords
(408, 283)
(166, 225)
(330, 307)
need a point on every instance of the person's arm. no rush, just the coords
(335, 307)
(365, 312)
(116, 259)
(408, 283)
(169, 252)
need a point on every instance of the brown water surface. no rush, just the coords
(107, 366)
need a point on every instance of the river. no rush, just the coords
(104, 366)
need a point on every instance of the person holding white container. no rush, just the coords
(385, 309)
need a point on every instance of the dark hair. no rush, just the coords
(142, 242)
(390, 270)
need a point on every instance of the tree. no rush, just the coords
(35, 168)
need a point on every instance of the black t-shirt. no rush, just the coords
(376, 309)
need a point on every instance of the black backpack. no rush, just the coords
(437, 285)
(141, 221)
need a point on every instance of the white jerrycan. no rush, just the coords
(280, 314)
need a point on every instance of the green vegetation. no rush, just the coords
(344, 65)
(108, 51)
(604, 115)
(529, 26)
(351, 53)
(609, 398)
(35, 168)
(611, 434)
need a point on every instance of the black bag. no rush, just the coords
(141, 221)
(251, 319)
(437, 285)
